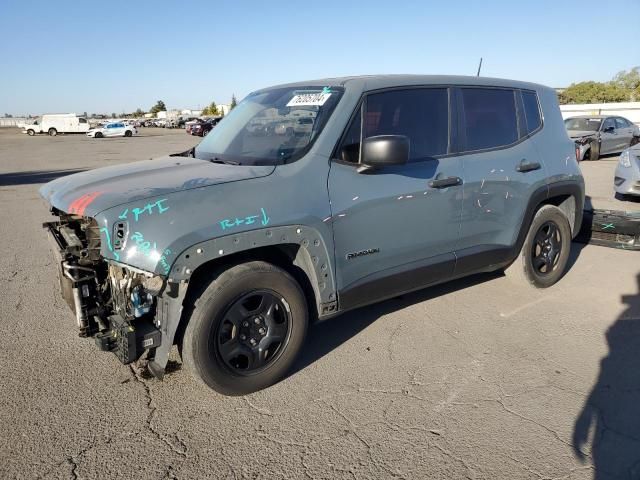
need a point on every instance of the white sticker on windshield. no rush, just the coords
(309, 99)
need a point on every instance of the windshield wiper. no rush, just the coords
(225, 162)
(188, 153)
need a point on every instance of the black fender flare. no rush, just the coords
(312, 255)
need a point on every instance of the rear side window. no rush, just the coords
(422, 114)
(531, 111)
(621, 123)
(489, 119)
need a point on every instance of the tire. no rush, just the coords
(594, 150)
(634, 141)
(31, 132)
(53, 132)
(215, 346)
(98, 135)
(527, 267)
(128, 133)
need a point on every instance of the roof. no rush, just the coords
(373, 82)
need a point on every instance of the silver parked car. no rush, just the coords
(627, 177)
(597, 135)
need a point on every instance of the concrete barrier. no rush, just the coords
(628, 110)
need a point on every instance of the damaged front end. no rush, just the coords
(123, 308)
(587, 145)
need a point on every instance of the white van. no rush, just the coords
(58, 123)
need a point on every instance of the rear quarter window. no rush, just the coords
(489, 118)
(531, 111)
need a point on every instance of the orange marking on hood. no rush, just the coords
(79, 205)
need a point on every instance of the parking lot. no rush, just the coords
(473, 379)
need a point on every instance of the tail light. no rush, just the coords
(577, 153)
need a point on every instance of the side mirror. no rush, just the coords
(608, 129)
(384, 151)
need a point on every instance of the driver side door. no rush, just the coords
(395, 230)
(608, 136)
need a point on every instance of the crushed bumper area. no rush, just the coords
(112, 303)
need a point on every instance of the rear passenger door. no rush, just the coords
(501, 168)
(394, 231)
(624, 129)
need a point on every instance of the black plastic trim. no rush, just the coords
(397, 281)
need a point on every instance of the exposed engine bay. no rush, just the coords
(113, 303)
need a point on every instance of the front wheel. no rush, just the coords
(98, 135)
(594, 150)
(128, 133)
(31, 132)
(246, 329)
(53, 132)
(545, 252)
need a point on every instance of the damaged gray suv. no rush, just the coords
(308, 200)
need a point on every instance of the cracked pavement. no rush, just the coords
(476, 379)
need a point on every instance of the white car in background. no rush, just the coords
(113, 129)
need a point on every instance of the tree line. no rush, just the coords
(624, 87)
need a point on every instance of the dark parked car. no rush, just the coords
(201, 128)
(230, 248)
(596, 135)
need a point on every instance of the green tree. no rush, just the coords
(594, 92)
(213, 109)
(205, 111)
(139, 113)
(629, 81)
(233, 103)
(158, 107)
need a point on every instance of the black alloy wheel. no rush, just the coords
(546, 248)
(253, 332)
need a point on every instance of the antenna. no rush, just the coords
(479, 67)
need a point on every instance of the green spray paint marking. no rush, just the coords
(606, 226)
(116, 255)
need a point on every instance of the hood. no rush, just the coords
(581, 133)
(88, 193)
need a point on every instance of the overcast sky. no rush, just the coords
(115, 56)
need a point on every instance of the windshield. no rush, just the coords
(271, 127)
(589, 124)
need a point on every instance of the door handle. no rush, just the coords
(445, 182)
(525, 166)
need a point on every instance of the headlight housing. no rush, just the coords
(625, 159)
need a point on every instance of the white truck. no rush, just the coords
(54, 124)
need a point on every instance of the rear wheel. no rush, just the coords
(53, 132)
(246, 329)
(545, 252)
(128, 133)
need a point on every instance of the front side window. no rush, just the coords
(271, 127)
(489, 118)
(82, 120)
(608, 124)
(421, 114)
(531, 110)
